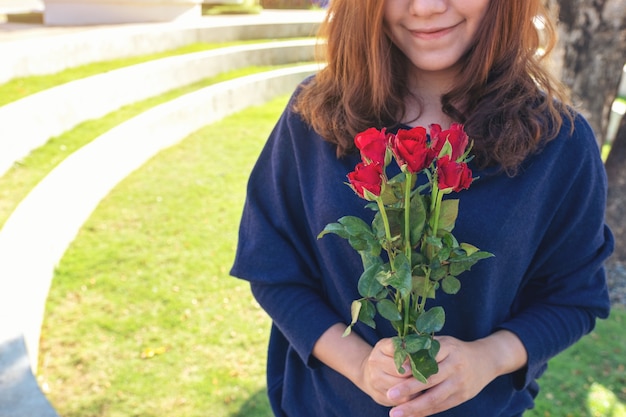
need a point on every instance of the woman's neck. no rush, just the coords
(424, 105)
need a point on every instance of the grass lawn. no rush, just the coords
(144, 320)
(142, 317)
(589, 379)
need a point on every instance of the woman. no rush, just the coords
(537, 205)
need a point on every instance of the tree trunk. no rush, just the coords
(591, 55)
(616, 203)
(589, 59)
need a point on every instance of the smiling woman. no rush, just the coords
(540, 191)
(434, 44)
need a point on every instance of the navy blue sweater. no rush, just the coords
(546, 282)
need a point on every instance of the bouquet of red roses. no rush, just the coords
(413, 225)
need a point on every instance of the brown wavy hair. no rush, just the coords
(505, 97)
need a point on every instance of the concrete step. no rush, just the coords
(31, 49)
(28, 123)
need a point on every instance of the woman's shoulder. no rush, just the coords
(290, 112)
(292, 135)
(575, 136)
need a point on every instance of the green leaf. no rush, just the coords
(355, 225)
(368, 285)
(335, 228)
(469, 249)
(367, 313)
(418, 284)
(372, 206)
(437, 271)
(400, 279)
(446, 149)
(388, 310)
(388, 156)
(444, 254)
(450, 285)
(355, 309)
(399, 354)
(434, 241)
(448, 214)
(460, 264)
(358, 243)
(418, 259)
(383, 294)
(359, 234)
(423, 365)
(396, 221)
(392, 193)
(378, 226)
(431, 321)
(434, 348)
(415, 342)
(417, 218)
(398, 178)
(368, 259)
(449, 241)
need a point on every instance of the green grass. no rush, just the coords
(589, 379)
(18, 88)
(148, 274)
(218, 9)
(24, 175)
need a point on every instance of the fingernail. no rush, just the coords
(396, 413)
(393, 394)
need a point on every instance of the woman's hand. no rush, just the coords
(379, 374)
(372, 369)
(465, 368)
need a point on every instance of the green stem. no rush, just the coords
(435, 209)
(407, 214)
(406, 305)
(407, 315)
(383, 213)
(434, 219)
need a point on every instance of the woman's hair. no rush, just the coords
(507, 100)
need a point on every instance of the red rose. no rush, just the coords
(373, 145)
(411, 149)
(455, 135)
(452, 174)
(366, 177)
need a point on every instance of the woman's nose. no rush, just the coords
(425, 8)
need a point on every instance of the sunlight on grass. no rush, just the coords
(142, 318)
(604, 403)
(597, 360)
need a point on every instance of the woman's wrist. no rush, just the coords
(345, 355)
(506, 351)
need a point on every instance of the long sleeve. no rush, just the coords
(276, 251)
(565, 288)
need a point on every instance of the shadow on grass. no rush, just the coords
(257, 406)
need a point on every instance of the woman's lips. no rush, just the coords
(432, 33)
